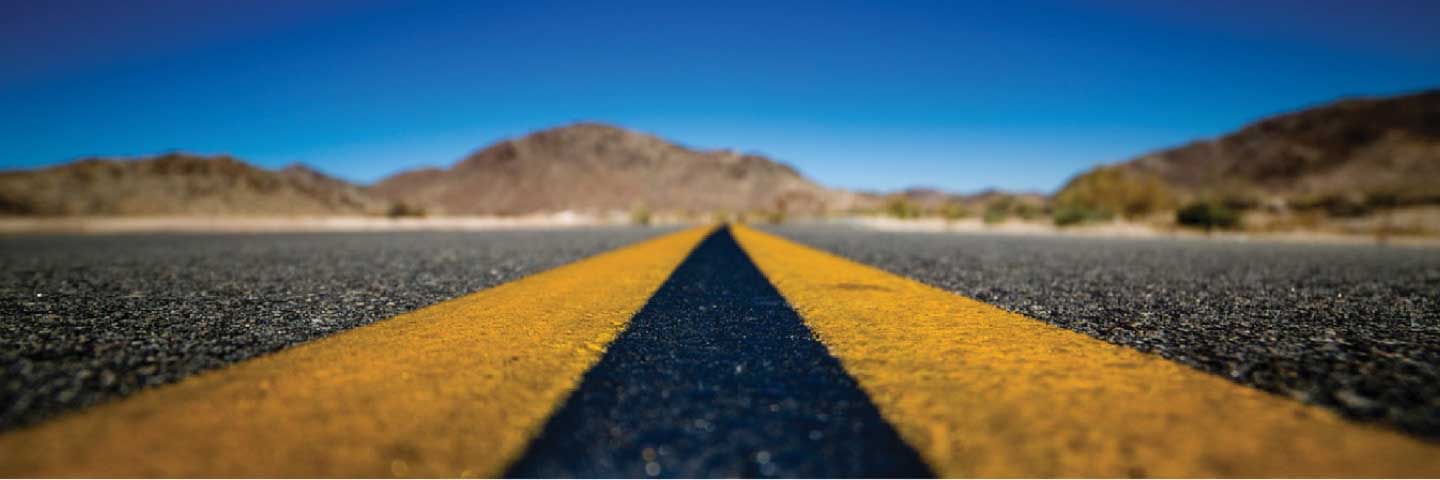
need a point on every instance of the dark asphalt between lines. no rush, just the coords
(717, 377)
(84, 319)
(1354, 328)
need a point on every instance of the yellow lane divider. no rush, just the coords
(455, 389)
(979, 391)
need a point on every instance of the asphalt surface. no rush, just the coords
(84, 319)
(717, 377)
(1353, 328)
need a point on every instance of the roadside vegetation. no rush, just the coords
(640, 215)
(953, 211)
(1107, 193)
(902, 208)
(404, 210)
(991, 208)
(1208, 215)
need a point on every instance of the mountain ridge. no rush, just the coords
(583, 167)
(590, 166)
(1348, 150)
(1356, 151)
(178, 183)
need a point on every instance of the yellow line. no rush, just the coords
(982, 392)
(456, 389)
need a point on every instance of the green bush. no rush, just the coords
(996, 214)
(899, 207)
(1111, 189)
(775, 217)
(640, 215)
(1073, 215)
(954, 211)
(401, 209)
(1028, 211)
(1208, 215)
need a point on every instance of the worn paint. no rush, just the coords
(456, 389)
(979, 391)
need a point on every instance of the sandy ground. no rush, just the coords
(296, 224)
(103, 225)
(1117, 229)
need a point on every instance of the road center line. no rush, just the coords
(717, 377)
(455, 389)
(979, 391)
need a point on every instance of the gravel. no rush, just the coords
(84, 319)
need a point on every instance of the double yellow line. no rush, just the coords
(984, 392)
(453, 390)
(459, 389)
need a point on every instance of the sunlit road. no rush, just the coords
(1355, 328)
(86, 318)
(715, 352)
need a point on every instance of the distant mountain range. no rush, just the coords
(1357, 149)
(179, 184)
(595, 167)
(584, 167)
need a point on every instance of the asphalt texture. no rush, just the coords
(84, 319)
(717, 377)
(1352, 328)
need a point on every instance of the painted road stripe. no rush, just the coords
(983, 392)
(456, 389)
(717, 377)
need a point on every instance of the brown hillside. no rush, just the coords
(178, 184)
(1355, 149)
(593, 167)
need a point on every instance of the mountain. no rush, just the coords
(179, 184)
(584, 167)
(928, 199)
(1355, 150)
(595, 167)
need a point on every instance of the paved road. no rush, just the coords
(718, 377)
(1353, 328)
(718, 353)
(87, 318)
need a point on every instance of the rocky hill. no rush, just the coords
(585, 167)
(595, 168)
(1348, 152)
(179, 184)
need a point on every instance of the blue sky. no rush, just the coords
(871, 95)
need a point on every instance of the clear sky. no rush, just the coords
(872, 95)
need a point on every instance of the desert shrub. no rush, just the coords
(1208, 215)
(996, 213)
(401, 210)
(899, 207)
(640, 215)
(954, 211)
(1001, 203)
(775, 217)
(1068, 215)
(15, 206)
(1124, 192)
(1028, 211)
